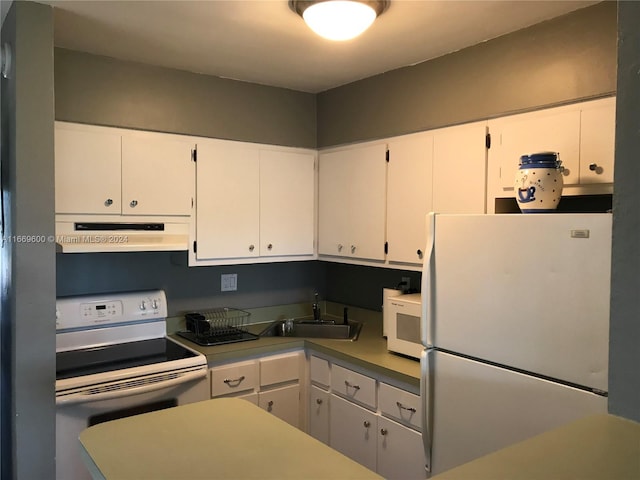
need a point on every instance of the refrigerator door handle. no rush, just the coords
(428, 271)
(425, 397)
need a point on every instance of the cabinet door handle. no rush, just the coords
(419, 253)
(133, 203)
(367, 424)
(408, 409)
(339, 247)
(319, 401)
(349, 384)
(270, 404)
(251, 248)
(108, 202)
(270, 246)
(383, 431)
(353, 249)
(237, 381)
(594, 167)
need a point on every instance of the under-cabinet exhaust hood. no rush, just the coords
(92, 236)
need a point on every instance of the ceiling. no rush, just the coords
(265, 42)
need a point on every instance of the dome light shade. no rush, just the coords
(339, 19)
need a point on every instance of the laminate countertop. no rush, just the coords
(225, 438)
(593, 448)
(369, 351)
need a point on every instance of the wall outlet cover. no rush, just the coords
(228, 282)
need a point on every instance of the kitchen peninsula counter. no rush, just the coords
(592, 448)
(225, 438)
(369, 351)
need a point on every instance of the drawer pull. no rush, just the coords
(383, 431)
(367, 424)
(408, 409)
(236, 381)
(319, 401)
(270, 406)
(351, 385)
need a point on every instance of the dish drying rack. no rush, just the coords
(217, 326)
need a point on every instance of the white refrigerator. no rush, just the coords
(515, 325)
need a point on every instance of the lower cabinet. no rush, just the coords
(283, 402)
(400, 451)
(271, 382)
(378, 426)
(352, 431)
(319, 414)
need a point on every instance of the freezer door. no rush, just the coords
(479, 408)
(527, 291)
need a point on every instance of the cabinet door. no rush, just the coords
(352, 200)
(319, 414)
(409, 196)
(333, 185)
(551, 130)
(87, 175)
(287, 206)
(400, 451)
(157, 175)
(283, 402)
(227, 200)
(459, 169)
(352, 431)
(597, 141)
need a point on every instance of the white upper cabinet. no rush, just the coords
(582, 133)
(102, 170)
(157, 176)
(409, 196)
(553, 130)
(352, 202)
(597, 141)
(287, 203)
(227, 200)
(87, 171)
(253, 201)
(460, 169)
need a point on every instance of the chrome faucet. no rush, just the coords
(316, 309)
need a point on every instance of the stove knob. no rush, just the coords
(143, 305)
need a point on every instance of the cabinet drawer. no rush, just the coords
(354, 386)
(400, 405)
(320, 372)
(234, 378)
(280, 368)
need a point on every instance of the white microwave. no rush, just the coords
(402, 319)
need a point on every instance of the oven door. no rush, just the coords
(111, 400)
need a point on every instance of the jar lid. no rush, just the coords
(539, 158)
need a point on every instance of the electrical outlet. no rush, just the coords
(228, 282)
(407, 283)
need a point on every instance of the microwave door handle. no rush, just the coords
(426, 393)
(428, 281)
(86, 396)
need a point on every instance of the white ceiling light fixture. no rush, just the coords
(339, 19)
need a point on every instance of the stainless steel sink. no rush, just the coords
(324, 328)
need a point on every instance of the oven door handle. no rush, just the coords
(123, 389)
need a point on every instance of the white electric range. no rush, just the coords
(114, 360)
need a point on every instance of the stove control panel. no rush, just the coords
(103, 310)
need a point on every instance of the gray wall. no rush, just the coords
(28, 268)
(624, 352)
(259, 285)
(104, 91)
(562, 60)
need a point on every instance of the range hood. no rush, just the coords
(100, 236)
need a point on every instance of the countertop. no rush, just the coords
(596, 447)
(369, 351)
(223, 438)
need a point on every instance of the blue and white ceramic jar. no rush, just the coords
(538, 185)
